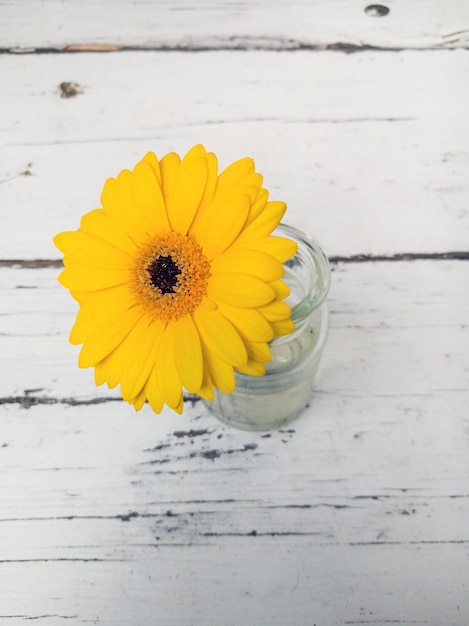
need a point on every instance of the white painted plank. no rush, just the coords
(395, 326)
(380, 472)
(370, 151)
(290, 583)
(111, 517)
(109, 531)
(357, 512)
(379, 494)
(222, 23)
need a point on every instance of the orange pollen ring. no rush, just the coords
(170, 275)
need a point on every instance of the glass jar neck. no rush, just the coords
(308, 276)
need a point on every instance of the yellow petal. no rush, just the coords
(275, 311)
(212, 206)
(180, 406)
(168, 380)
(252, 368)
(131, 362)
(265, 223)
(239, 290)
(118, 209)
(208, 304)
(196, 152)
(258, 351)
(258, 204)
(285, 327)
(91, 251)
(188, 354)
(169, 168)
(143, 343)
(126, 188)
(83, 296)
(149, 198)
(280, 248)
(223, 221)
(281, 289)
(82, 278)
(220, 337)
(249, 323)
(152, 160)
(237, 190)
(154, 397)
(248, 261)
(104, 374)
(185, 200)
(107, 337)
(139, 400)
(109, 369)
(100, 224)
(234, 171)
(220, 372)
(206, 389)
(212, 176)
(97, 309)
(203, 214)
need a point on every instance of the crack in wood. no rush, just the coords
(272, 533)
(403, 256)
(232, 44)
(63, 560)
(31, 264)
(416, 542)
(215, 454)
(123, 517)
(452, 255)
(191, 433)
(338, 507)
(33, 617)
(200, 471)
(386, 621)
(26, 401)
(211, 454)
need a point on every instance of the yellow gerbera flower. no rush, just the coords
(178, 278)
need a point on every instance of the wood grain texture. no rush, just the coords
(370, 152)
(208, 24)
(357, 512)
(381, 313)
(160, 519)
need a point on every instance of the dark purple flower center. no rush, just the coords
(164, 274)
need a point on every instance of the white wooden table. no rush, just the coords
(357, 513)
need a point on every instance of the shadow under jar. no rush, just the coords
(270, 401)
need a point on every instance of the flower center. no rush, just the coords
(163, 274)
(169, 277)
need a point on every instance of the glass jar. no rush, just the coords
(270, 401)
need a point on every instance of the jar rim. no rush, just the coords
(274, 379)
(312, 253)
